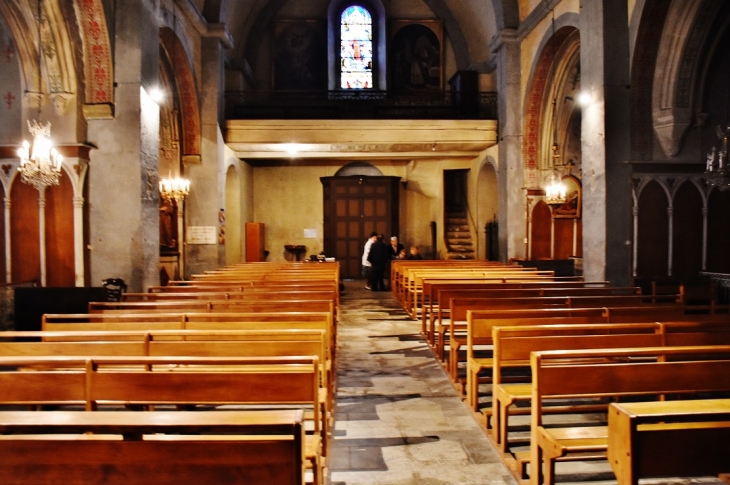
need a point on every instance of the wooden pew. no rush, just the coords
(513, 346)
(263, 342)
(638, 372)
(669, 439)
(415, 278)
(480, 326)
(158, 381)
(433, 289)
(186, 448)
(513, 292)
(455, 332)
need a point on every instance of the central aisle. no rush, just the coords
(398, 419)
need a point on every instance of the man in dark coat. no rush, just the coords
(379, 257)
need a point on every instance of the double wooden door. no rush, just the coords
(355, 206)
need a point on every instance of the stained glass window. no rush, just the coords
(356, 51)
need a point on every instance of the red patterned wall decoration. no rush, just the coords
(97, 53)
(534, 103)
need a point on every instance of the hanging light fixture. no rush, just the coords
(716, 170)
(174, 188)
(40, 163)
(555, 192)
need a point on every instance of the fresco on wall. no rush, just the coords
(416, 57)
(300, 56)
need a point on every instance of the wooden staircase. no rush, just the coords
(459, 244)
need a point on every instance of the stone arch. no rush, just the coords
(684, 48)
(554, 58)
(359, 168)
(487, 195)
(184, 84)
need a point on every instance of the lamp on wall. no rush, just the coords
(40, 163)
(717, 173)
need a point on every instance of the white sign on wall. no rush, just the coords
(201, 235)
(310, 233)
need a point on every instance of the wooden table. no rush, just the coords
(669, 439)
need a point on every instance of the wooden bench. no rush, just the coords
(669, 439)
(465, 298)
(513, 346)
(195, 343)
(637, 372)
(691, 331)
(181, 381)
(437, 290)
(455, 331)
(186, 448)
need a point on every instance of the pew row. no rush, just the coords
(181, 448)
(100, 382)
(642, 373)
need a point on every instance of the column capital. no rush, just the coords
(220, 31)
(504, 36)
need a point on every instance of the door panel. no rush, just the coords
(353, 208)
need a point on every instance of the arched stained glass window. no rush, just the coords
(356, 50)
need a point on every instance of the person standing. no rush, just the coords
(379, 258)
(366, 265)
(394, 250)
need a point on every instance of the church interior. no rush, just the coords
(169, 138)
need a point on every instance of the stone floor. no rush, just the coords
(398, 419)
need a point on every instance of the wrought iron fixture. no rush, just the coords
(40, 163)
(174, 188)
(717, 173)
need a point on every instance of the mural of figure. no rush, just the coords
(416, 59)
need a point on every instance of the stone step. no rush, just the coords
(457, 235)
(461, 221)
(457, 227)
(461, 248)
(450, 255)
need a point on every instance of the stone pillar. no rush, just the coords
(207, 178)
(123, 178)
(604, 57)
(510, 173)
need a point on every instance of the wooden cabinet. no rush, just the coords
(355, 206)
(255, 242)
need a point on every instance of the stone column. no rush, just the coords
(123, 178)
(510, 173)
(207, 178)
(604, 57)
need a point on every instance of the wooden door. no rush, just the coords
(354, 207)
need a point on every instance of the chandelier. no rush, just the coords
(174, 188)
(40, 163)
(555, 195)
(716, 170)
